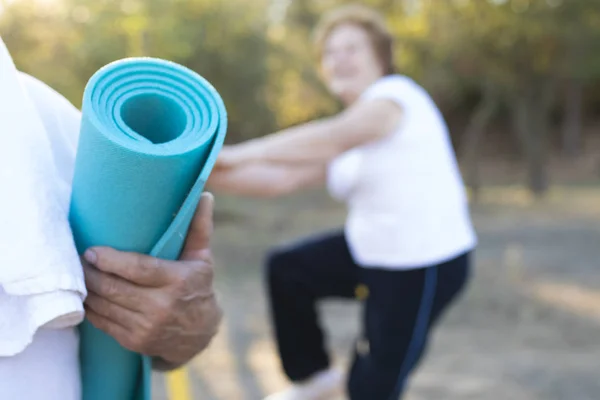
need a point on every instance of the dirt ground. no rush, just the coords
(527, 329)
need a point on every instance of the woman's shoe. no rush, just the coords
(323, 385)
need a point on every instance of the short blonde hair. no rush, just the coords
(366, 18)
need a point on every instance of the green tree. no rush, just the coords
(225, 41)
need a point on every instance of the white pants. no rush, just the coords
(48, 369)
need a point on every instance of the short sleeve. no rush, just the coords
(396, 88)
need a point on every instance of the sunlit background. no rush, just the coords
(519, 84)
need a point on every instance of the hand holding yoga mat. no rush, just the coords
(150, 134)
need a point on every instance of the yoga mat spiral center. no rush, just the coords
(155, 117)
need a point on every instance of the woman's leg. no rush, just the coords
(297, 277)
(400, 311)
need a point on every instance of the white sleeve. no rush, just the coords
(396, 88)
(41, 279)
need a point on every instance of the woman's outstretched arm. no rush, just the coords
(319, 141)
(261, 179)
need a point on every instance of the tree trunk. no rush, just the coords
(572, 119)
(530, 118)
(522, 127)
(538, 174)
(540, 180)
(473, 136)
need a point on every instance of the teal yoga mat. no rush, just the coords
(150, 134)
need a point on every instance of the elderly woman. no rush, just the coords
(406, 246)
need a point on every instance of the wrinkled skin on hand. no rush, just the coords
(164, 309)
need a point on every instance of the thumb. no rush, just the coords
(197, 243)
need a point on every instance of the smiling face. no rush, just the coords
(349, 63)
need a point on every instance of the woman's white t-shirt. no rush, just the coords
(407, 206)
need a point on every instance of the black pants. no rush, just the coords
(399, 311)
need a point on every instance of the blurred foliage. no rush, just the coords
(65, 42)
(523, 64)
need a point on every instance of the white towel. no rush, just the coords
(41, 279)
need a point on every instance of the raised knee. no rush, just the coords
(275, 265)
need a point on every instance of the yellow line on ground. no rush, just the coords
(178, 385)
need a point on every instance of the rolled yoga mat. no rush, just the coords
(150, 134)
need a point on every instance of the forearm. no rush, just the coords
(313, 142)
(266, 179)
(322, 140)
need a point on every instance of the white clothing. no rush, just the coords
(407, 203)
(41, 279)
(48, 369)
